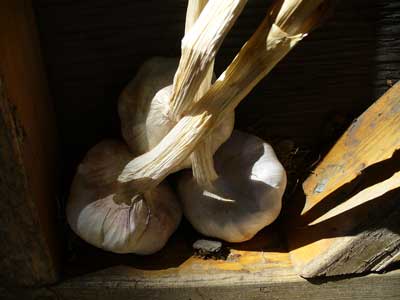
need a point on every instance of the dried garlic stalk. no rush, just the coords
(205, 149)
(146, 104)
(199, 47)
(286, 23)
(194, 74)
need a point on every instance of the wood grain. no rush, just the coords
(359, 174)
(118, 283)
(27, 154)
(269, 284)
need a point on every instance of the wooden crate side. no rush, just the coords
(27, 153)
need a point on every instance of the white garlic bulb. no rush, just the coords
(145, 112)
(109, 218)
(246, 197)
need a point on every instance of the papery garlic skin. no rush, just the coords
(112, 220)
(145, 112)
(246, 197)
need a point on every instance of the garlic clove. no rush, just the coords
(247, 195)
(144, 109)
(104, 216)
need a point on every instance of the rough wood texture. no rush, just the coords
(359, 172)
(27, 156)
(274, 283)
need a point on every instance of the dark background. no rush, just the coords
(92, 48)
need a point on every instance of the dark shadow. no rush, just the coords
(370, 176)
(350, 222)
(337, 278)
(327, 79)
(268, 239)
(87, 259)
(367, 216)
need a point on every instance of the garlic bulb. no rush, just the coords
(108, 218)
(247, 195)
(145, 112)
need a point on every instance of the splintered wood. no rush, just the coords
(372, 138)
(351, 218)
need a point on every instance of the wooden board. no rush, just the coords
(27, 154)
(274, 282)
(350, 218)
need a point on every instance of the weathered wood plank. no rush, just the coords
(118, 283)
(360, 172)
(264, 286)
(27, 154)
(372, 138)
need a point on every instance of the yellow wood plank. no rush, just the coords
(372, 138)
